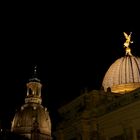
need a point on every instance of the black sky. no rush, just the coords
(72, 51)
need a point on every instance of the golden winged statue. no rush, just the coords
(127, 42)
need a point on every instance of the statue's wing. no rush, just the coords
(126, 36)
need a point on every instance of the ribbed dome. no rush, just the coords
(123, 75)
(23, 122)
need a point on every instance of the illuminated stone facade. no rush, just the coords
(112, 113)
(99, 115)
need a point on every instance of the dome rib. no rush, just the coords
(136, 61)
(132, 69)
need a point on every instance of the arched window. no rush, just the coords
(30, 91)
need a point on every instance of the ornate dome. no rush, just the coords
(33, 120)
(24, 120)
(124, 74)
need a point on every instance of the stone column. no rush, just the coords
(107, 138)
(134, 133)
(85, 134)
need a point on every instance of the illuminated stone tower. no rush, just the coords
(33, 120)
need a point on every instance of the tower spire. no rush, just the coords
(127, 43)
(34, 76)
(35, 70)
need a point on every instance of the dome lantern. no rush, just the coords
(34, 89)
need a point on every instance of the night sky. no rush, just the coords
(72, 52)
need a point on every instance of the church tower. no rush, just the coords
(33, 120)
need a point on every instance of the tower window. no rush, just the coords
(30, 91)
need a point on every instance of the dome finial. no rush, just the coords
(35, 75)
(35, 72)
(35, 69)
(127, 43)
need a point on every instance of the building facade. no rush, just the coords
(111, 113)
